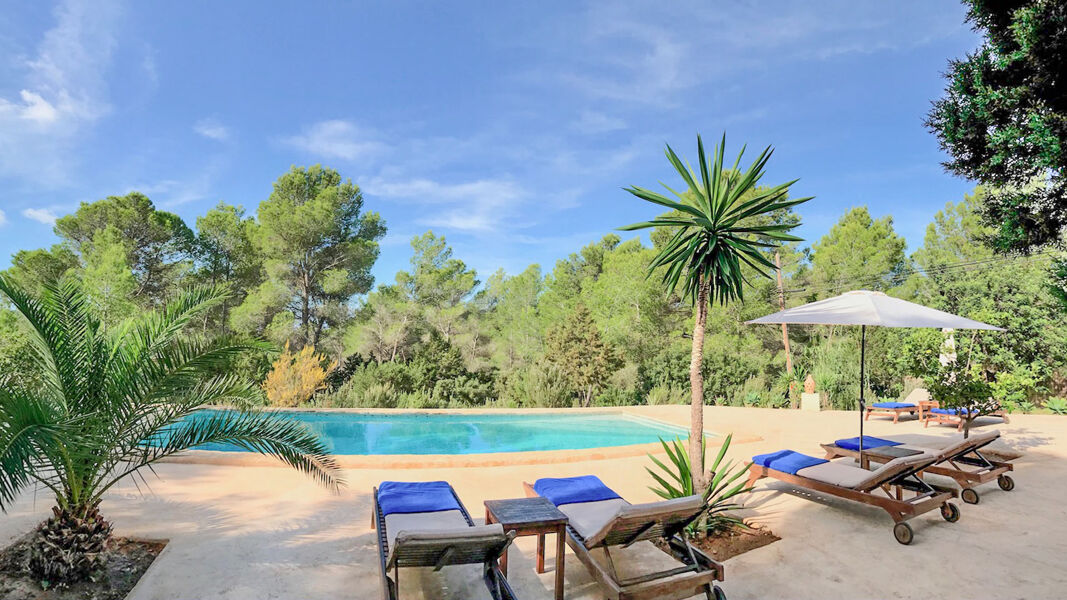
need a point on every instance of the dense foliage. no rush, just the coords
(1003, 118)
(439, 337)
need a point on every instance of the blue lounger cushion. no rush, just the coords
(949, 411)
(893, 405)
(787, 461)
(869, 441)
(574, 490)
(416, 497)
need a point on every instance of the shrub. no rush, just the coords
(667, 394)
(538, 386)
(417, 399)
(380, 395)
(295, 378)
(462, 390)
(615, 396)
(1058, 406)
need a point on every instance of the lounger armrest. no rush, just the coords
(635, 522)
(442, 547)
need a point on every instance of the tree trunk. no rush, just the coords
(696, 385)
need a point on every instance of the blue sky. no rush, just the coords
(508, 127)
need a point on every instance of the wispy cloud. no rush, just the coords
(212, 129)
(336, 138)
(593, 122)
(479, 206)
(198, 185)
(41, 215)
(63, 91)
(3, 218)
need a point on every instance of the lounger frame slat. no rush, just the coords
(697, 575)
(495, 582)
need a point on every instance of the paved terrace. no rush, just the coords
(254, 532)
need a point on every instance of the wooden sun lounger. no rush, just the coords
(962, 461)
(884, 488)
(894, 412)
(660, 520)
(927, 417)
(443, 547)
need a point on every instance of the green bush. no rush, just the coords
(1018, 385)
(538, 386)
(417, 399)
(462, 391)
(1058, 406)
(667, 394)
(614, 396)
(380, 395)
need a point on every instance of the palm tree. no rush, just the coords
(719, 223)
(108, 403)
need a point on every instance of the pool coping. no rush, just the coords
(444, 461)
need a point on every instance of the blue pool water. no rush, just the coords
(413, 433)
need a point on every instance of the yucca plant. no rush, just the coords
(677, 481)
(112, 402)
(720, 224)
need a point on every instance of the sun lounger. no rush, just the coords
(883, 487)
(893, 409)
(952, 416)
(962, 459)
(601, 522)
(424, 524)
(911, 405)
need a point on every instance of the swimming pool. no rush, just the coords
(350, 433)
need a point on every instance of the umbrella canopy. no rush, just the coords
(863, 308)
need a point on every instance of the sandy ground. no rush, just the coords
(240, 532)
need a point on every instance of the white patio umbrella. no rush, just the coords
(863, 308)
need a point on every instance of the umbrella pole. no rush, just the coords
(863, 360)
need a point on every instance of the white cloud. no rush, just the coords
(336, 138)
(62, 92)
(3, 218)
(212, 129)
(480, 206)
(41, 215)
(593, 122)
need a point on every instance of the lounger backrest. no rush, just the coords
(442, 547)
(893, 469)
(636, 522)
(970, 444)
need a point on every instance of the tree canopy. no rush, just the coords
(1003, 119)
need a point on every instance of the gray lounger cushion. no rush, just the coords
(421, 522)
(588, 518)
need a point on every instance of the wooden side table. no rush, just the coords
(531, 516)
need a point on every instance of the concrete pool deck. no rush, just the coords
(258, 532)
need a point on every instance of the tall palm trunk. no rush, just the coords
(696, 385)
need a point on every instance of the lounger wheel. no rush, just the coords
(950, 512)
(903, 533)
(970, 496)
(719, 594)
(1006, 483)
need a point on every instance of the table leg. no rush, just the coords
(503, 561)
(560, 550)
(540, 553)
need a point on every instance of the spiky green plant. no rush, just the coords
(717, 230)
(677, 481)
(112, 402)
